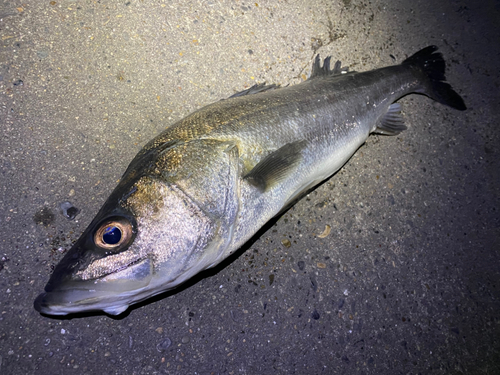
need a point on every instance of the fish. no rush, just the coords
(203, 187)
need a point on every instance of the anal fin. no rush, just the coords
(392, 123)
(276, 166)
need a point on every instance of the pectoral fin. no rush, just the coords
(276, 166)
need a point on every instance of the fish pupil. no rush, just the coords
(112, 235)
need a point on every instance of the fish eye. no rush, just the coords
(113, 233)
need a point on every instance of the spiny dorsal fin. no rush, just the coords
(392, 123)
(276, 166)
(320, 71)
(255, 89)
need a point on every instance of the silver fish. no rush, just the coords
(199, 190)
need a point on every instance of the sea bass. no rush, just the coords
(199, 190)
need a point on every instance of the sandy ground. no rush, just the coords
(407, 282)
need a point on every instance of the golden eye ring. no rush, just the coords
(113, 233)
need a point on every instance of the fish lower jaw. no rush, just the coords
(52, 304)
(115, 292)
(73, 300)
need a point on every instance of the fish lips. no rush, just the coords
(112, 293)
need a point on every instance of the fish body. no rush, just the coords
(199, 190)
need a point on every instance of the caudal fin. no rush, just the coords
(432, 64)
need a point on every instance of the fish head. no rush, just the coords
(144, 241)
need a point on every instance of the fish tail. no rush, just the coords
(431, 67)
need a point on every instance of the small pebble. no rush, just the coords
(341, 303)
(163, 345)
(286, 243)
(315, 314)
(130, 342)
(42, 54)
(271, 279)
(326, 232)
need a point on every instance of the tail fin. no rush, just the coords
(432, 64)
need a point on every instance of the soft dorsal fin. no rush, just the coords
(276, 166)
(320, 71)
(392, 123)
(255, 89)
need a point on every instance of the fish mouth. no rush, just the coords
(112, 293)
(73, 301)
